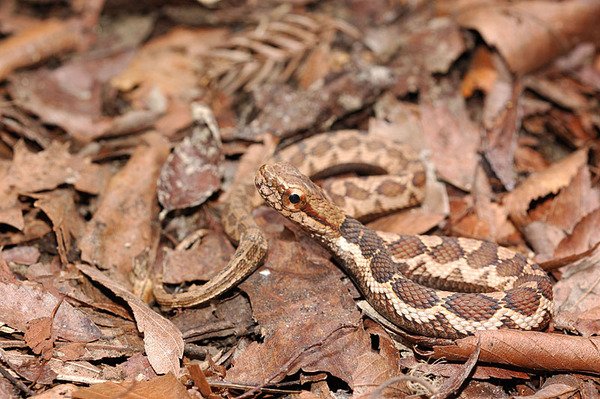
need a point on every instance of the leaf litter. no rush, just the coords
(122, 132)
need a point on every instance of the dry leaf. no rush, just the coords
(208, 256)
(29, 302)
(59, 206)
(164, 387)
(162, 340)
(540, 184)
(44, 39)
(577, 296)
(192, 173)
(528, 349)
(453, 141)
(70, 96)
(539, 30)
(284, 297)
(123, 226)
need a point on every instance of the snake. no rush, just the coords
(444, 287)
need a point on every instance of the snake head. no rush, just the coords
(296, 197)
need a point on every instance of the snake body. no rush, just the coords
(434, 286)
(442, 287)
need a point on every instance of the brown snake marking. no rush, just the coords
(442, 287)
(321, 155)
(469, 265)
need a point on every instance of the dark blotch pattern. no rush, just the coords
(511, 267)
(484, 256)
(372, 248)
(356, 192)
(348, 144)
(449, 251)
(523, 300)
(419, 179)
(390, 188)
(407, 247)
(414, 294)
(472, 306)
(543, 283)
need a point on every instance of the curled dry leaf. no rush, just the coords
(557, 386)
(539, 30)
(162, 340)
(192, 173)
(527, 349)
(67, 223)
(540, 184)
(123, 226)
(556, 218)
(585, 235)
(502, 135)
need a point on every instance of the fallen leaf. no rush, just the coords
(44, 39)
(168, 63)
(39, 336)
(164, 387)
(577, 295)
(24, 255)
(539, 30)
(30, 302)
(585, 235)
(502, 138)
(284, 111)
(30, 172)
(192, 172)
(59, 206)
(540, 184)
(555, 387)
(453, 141)
(123, 226)
(162, 340)
(522, 349)
(208, 256)
(71, 95)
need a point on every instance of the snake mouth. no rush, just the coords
(266, 183)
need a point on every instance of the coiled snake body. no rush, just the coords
(435, 286)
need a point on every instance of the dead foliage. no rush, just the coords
(124, 129)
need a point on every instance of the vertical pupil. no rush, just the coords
(294, 198)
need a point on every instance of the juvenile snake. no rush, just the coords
(435, 286)
(413, 299)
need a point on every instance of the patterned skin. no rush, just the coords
(442, 287)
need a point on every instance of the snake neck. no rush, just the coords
(358, 248)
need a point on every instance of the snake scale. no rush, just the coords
(435, 286)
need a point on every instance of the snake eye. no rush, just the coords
(293, 199)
